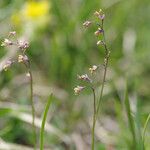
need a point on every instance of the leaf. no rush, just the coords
(44, 121)
(130, 119)
(145, 126)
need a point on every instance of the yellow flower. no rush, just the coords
(33, 12)
(36, 9)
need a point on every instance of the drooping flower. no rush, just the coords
(100, 14)
(7, 65)
(6, 42)
(84, 77)
(78, 89)
(12, 33)
(22, 58)
(98, 32)
(93, 69)
(87, 24)
(22, 44)
(100, 42)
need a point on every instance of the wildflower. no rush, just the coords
(100, 42)
(36, 9)
(98, 32)
(22, 58)
(6, 42)
(84, 77)
(93, 69)
(78, 89)
(12, 33)
(7, 65)
(23, 44)
(87, 23)
(100, 14)
(96, 13)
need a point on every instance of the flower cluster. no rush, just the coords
(22, 46)
(100, 31)
(100, 14)
(85, 78)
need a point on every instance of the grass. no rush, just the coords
(44, 121)
(60, 48)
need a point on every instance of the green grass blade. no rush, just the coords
(130, 119)
(145, 126)
(43, 122)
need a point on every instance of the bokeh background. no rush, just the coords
(60, 48)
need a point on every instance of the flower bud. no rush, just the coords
(98, 32)
(78, 89)
(96, 13)
(93, 69)
(84, 77)
(100, 14)
(7, 65)
(23, 44)
(100, 42)
(6, 42)
(12, 33)
(22, 58)
(87, 24)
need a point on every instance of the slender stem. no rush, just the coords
(144, 130)
(32, 105)
(94, 119)
(106, 59)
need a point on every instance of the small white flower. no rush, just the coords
(7, 65)
(12, 33)
(93, 69)
(84, 77)
(6, 42)
(87, 23)
(22, 58)
(23, 44)
(78, 89)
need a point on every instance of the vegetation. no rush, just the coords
(52, 43)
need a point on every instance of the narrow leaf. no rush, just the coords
(44, 121)
(145, 126)
(130, 119)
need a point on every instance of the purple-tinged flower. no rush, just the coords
(84, 77)
(7, 65)
(78, 89)
(23, 58)
(23, 44)
(98, 32)
(100, 14)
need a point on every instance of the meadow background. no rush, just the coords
(60, 48)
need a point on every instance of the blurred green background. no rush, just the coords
(60, 48)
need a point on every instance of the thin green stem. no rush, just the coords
(106, 59)
(44, 121)
(144, 130)
(94, 119)
(32, 105)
